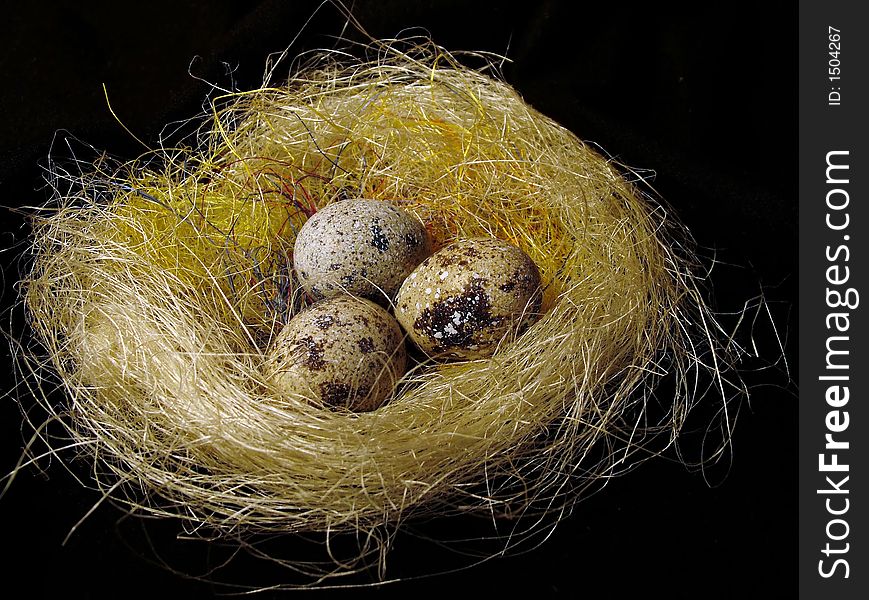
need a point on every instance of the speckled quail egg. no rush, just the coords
(342, 351)
(361, 247)
(464, 299)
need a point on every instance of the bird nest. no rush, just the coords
(157, 286)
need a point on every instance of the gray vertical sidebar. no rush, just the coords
(834, 299)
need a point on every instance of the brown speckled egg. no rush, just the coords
(462, 300)
(361, 247)
(343, 351)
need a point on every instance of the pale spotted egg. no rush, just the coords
(463, 300)
(361, 247)
(343, 352)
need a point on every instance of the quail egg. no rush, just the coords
(361, 247)
(342, 351)
(464, 299)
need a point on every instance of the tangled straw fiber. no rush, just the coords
(156, 287)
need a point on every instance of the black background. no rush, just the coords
(705, 98)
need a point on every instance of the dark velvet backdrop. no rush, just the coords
(705, 98)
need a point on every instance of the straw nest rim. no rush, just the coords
(156, 287)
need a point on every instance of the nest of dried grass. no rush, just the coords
(155, 288)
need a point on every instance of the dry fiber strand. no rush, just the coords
(156, 287)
